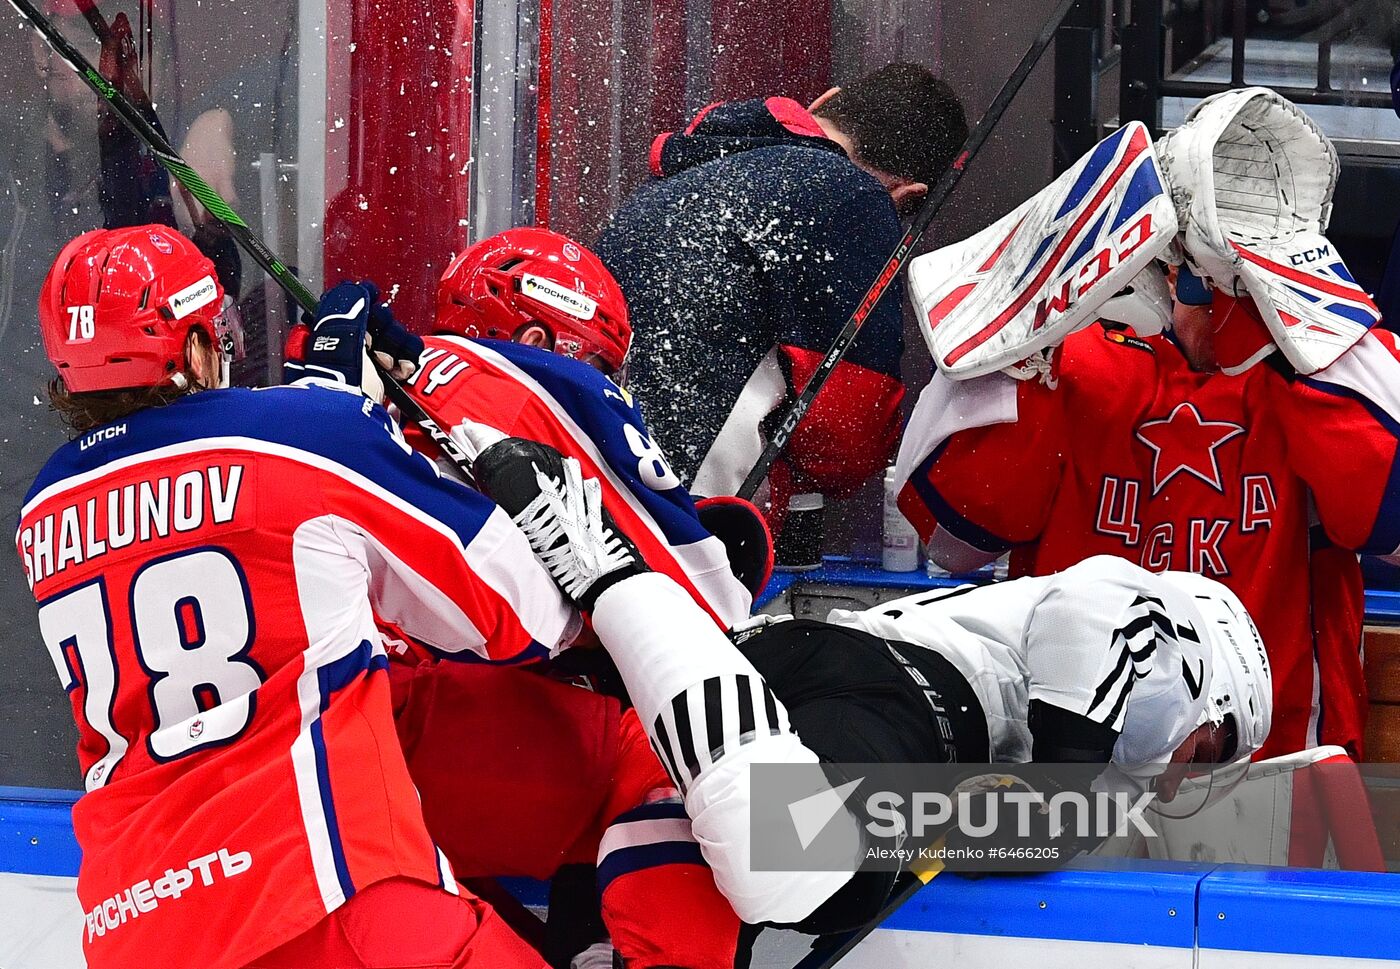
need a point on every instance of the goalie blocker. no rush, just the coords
(1241, 193)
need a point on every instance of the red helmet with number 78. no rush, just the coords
(119, 304)
(528, 275)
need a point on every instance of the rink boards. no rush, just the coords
(1143, 917)
(1148, 916)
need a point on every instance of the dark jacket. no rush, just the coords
(741, 261)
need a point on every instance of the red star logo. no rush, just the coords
(1183, 441)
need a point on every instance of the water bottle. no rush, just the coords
(900, 544)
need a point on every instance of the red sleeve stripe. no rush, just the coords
(1136, 146)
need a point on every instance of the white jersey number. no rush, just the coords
(192, 626)
(77, 629)
(652, 468)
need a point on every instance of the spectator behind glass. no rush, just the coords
(238, 117)
(70, 163)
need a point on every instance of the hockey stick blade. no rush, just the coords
(902, 253)
(212, 201)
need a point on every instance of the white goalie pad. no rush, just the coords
(1044, 270)
(1253, 177)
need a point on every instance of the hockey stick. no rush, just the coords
(211, 200)
(905, 888)
(829, 955)
(902, 252)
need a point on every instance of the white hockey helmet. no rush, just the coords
(1241, 683)
(1145, 303)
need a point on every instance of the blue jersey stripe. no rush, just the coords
(604, 413)
(626, 861)
(323, 781)
(955, 524)
(339, 427)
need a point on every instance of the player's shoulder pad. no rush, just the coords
(315, 419)
(344, 411)
(567, 380)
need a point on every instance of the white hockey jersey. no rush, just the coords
(1105, 639)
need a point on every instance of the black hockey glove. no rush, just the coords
(561, 512)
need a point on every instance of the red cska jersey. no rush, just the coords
(527, 392)
(207, 575)
(1265, 482)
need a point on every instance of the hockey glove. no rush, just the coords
(739, 525)
(1253, 179)
(394, 347)
(561, 513)
(350, 320)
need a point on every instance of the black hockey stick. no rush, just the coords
(905, 888)
(168, 157)
(902, 252)
(833, 952)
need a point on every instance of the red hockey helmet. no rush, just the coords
(119, 304)
(528, 275)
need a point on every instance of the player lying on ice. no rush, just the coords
(1104, 663)
(1244, 426)
(208, 564)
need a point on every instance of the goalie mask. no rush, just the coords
(1252, 178)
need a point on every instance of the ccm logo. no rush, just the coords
(325, 344)
(1311, 255)
(1100, 264)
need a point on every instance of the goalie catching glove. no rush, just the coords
(561, 513)
(1252, 178)
(1242, 192)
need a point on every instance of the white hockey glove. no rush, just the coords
(561, 513)
(1252, 178)
(1042, 272)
